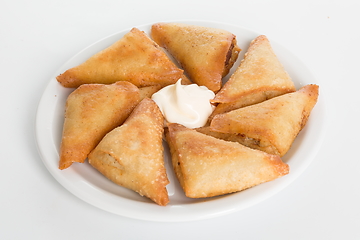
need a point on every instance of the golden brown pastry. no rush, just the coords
(206, 54)
(240, 138)
(207, 166)
(260, 76)
(132, 155)
(272, 125)
(92, 110)
(134, 58)
(147, 92)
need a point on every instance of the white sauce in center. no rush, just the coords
(188, 105)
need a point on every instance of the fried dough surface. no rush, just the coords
(206, 54)
(92, 110)
(272, 125)
(147, 92)
(132, 155)
(134, 58)
(207, 166)
(260, 76)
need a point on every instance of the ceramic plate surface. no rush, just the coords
(89, 185)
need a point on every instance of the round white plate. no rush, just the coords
(89, 185)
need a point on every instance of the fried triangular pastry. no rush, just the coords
(206, 54)
(238, 137)
(132, 155)
(207, 166)
(147, 92)
(260, 76)
(134, 58)
(91, 111)
(272, 125)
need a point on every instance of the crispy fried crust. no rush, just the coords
(259, 77)
(272, 125)
(132, 155)
(240, 138)
(134, 58)
(147, 92)
(206, 54)
(92, 110)
(207, 166)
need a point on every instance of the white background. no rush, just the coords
(37, 37)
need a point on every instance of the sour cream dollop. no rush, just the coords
(188, 105)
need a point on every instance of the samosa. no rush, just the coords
(134, 58)
(91, 111)
(260, 76)
(132, 155)
(206, 166)
(206, 54)
(272, 125)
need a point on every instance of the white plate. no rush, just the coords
(89, 185)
